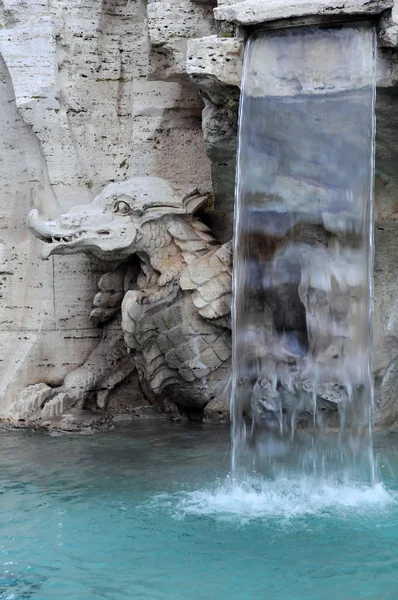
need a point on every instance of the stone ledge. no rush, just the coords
(217, 58)
(253, 12)
(220, 60)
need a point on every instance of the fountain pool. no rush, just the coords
(149, 513)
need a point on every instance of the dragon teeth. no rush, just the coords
(67, 239)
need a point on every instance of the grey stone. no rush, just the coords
(217, 411)
(109, 93)
(78, 111)
(252, 12)
(216, 59)
(184, 19)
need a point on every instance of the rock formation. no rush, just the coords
(96, 93)
(81, 108)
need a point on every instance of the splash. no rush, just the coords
(303, 254)
(282, 499)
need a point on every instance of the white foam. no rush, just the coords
(280, 498)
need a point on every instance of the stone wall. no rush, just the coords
(81, 107)
(94, 91)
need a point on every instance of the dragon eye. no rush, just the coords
(122, 208)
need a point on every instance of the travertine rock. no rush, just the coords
(252, 12)
(167, 20)
(78, 111)
(388, 28)
(385, 321)
(217, 410)
(170, 25)
(96, 92)
(215, 65)
(215, 58)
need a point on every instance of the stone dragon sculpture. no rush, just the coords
(171, 284)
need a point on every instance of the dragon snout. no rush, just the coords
(69, 221)
(84, 230)
(65, 228)
(39, 226)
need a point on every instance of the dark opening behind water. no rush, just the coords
(149, 513)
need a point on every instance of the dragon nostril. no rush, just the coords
(103, 232)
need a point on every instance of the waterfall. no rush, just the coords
(303, 251)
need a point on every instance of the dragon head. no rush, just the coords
(109, 227)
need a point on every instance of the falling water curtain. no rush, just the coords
(303, 231)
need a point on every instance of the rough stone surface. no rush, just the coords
(215, 66)
(98, 92)
(217, 411)
(217, 59)
(183, 19)
(79, 110)
(252, 12)
(388, 28)
(385, 322)
(170, 26)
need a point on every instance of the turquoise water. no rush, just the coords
(147, 513)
